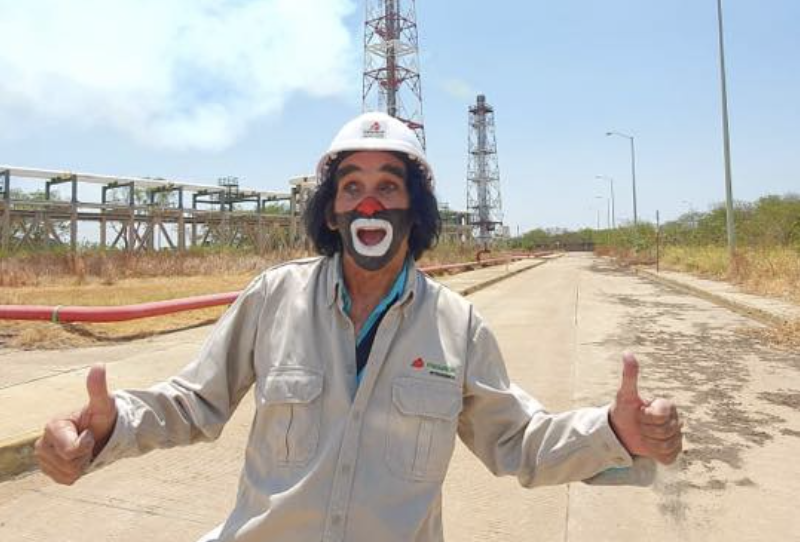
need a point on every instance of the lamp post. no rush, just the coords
(613, 202)
(633, 169)
(608, 212)
(596, 208)
(726, 140)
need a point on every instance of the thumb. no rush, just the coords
(100, 402)
(629, 389)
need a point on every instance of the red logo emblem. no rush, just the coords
(374, 129)
(418, 364)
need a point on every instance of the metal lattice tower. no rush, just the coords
(391, 62)
(483, 173)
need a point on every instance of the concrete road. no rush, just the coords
(562, 328)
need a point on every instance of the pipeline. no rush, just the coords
(104, 314)
(65, 314)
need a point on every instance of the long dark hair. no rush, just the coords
(425, 220)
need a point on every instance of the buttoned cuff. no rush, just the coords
(608, 445)
(622, 468)
(122, 442)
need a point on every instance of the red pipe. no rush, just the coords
(98, 314)
(63, 314)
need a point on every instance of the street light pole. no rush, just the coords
(726, 140)
(608, 212)
(613, 199)
(633, 169)
(633, 176)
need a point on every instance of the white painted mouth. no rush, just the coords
(378, 249)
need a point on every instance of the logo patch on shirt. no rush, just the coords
(436, 369)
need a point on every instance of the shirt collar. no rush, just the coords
(336, 286)
(395, 292)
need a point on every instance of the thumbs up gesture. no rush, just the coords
(646, 428)
(70, 443)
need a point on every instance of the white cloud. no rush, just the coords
(174, 73)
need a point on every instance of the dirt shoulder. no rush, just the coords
(780, 315)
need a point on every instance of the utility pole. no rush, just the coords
(726, 140)
(613, 202)
(630, 138)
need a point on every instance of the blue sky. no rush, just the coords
(202, 89)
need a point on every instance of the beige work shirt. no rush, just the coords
(330, 460)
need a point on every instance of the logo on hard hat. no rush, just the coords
(374, 129)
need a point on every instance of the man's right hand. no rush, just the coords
(70, 443)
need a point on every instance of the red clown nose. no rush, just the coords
(370, 206)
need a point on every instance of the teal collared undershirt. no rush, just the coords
(377, 313)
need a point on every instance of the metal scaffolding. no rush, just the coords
(391, 62)
(483, 173)
(136, 214)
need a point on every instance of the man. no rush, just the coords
(364, 371)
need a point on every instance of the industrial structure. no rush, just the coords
(391, 80)
(136, 214)
(483, 174)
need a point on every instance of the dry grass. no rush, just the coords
(95, 278)
(119, 279)
(772, 272)
(626, 257)
(785, 336)
(123, 292)
(42, 269)
(445, 254)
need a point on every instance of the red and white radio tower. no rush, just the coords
(391, 62)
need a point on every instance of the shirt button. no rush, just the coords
(337, 519)
(346, 468)
(356, 415)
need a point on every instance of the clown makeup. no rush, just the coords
(372, 234)
(371, 208)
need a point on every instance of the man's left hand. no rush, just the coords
(646, 428)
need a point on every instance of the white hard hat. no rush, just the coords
(375, 131)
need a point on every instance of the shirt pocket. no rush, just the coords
(290, 403)
(422, 428)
